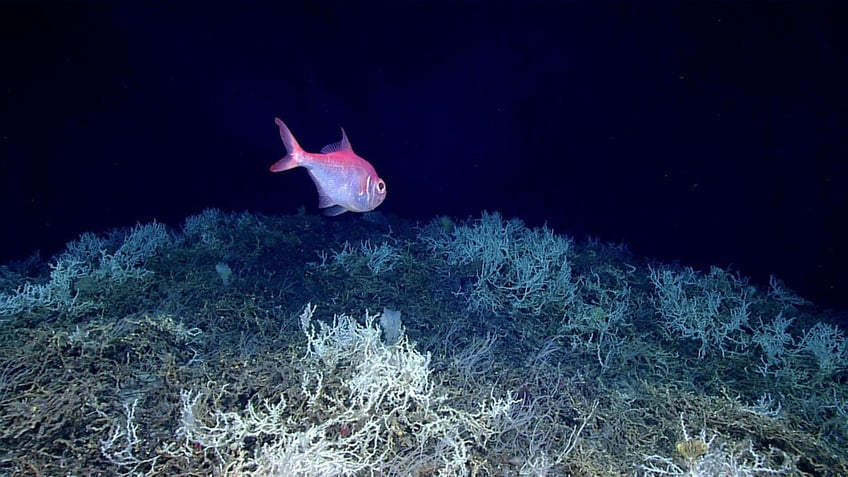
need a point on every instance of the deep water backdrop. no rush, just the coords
(711, 133)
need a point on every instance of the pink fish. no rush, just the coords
(345, 181)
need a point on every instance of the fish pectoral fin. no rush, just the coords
(327, 203)
(324, 200)
(334, 210)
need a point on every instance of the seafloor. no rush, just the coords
(516, 351)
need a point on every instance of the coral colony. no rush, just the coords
(294, 346)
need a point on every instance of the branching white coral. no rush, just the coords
(520, 268)
(702, 457)
(712, 309)
(377, 258)
(87, 257)
(384, 418)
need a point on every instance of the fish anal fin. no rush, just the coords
(334, 210)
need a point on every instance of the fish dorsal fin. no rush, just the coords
(343, 145)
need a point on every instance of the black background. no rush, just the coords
(713, 133)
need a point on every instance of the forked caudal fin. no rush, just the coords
(292, 148)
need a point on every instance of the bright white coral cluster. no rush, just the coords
(370, 408)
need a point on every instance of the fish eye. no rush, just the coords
(381, 186)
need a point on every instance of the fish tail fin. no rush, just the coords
(292, 159)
